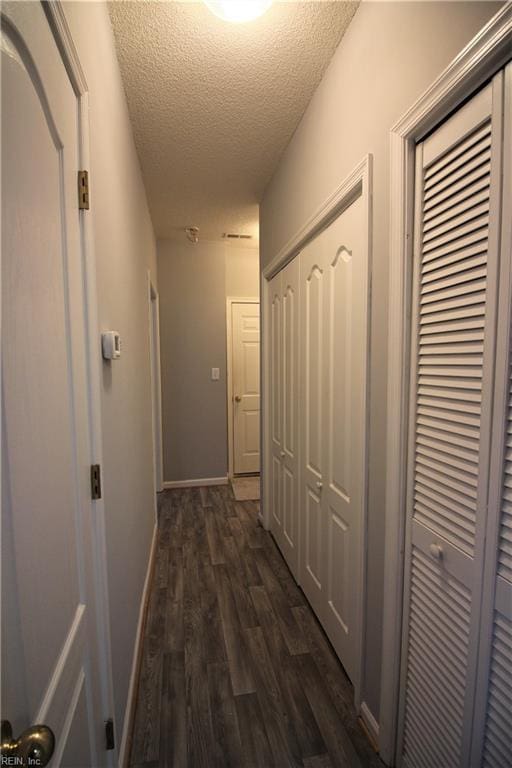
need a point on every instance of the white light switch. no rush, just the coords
(215, 374)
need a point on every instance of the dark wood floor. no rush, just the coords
(236, 672)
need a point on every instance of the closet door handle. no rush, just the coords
(436, 551)
(283, 454)
(319, 485)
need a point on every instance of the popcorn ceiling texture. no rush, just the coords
(214, 104)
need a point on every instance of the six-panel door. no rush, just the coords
(245, 320)
(50, 668)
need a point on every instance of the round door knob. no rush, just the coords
(33, 747)
(283, 454)
(319, 485)
(238, 399)
(436, 551)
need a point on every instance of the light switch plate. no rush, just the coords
(215, 374)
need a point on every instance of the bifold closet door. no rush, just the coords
(334, 349)
(492, 729)
(274, 314)
(284, 322)
(458, 169)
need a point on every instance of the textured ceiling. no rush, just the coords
(214, 104)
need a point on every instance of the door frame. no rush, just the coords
(57, 21)
(156, 385)
(484, 55)
(357, 184)
(229, 383)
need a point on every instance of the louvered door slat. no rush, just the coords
(497, 750)
(498, 732)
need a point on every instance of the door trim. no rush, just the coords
(57, 21)
(357, 184)
(156, 386)
(478, 61)
(229, 384)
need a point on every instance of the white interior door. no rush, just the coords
(245, 324)
(49, 640)
(334, 312)
(284, 388)
(452, 370)
(274, 314)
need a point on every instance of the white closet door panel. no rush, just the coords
(290, 430)
(456, 262)
(276, 405)
(334, 300)
(314, 292)
(275, 341)
(344, 429)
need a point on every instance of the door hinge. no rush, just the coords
(95, 481)
(109, 734)
(83, 190)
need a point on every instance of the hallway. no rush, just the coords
(235, 669)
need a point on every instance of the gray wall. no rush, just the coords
(194, 281)
(389, 55)
(125, 249)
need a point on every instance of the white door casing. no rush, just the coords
(245, 326)
(156, 384)
(55, 667)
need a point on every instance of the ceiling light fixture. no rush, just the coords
(238, 10)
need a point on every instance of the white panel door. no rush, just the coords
(50, 670)
(284, 388)
(334, 302)
(452, 370)
(314, 276)
(274, 314)
(289, 544)
(245, 322)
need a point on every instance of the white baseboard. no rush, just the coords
(130, 703)
(370, 723)
(195, 483)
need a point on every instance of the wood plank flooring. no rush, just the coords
(236, 672)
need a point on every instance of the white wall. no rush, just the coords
(389, 55)
(242, 271)
(194, 282)
(124, 249)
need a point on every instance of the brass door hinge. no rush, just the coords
(83, 190)
(109, 735)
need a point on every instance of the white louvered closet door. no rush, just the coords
(452, 372)
(492, 747)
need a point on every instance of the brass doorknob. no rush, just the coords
(33, 747)
(238, 399)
